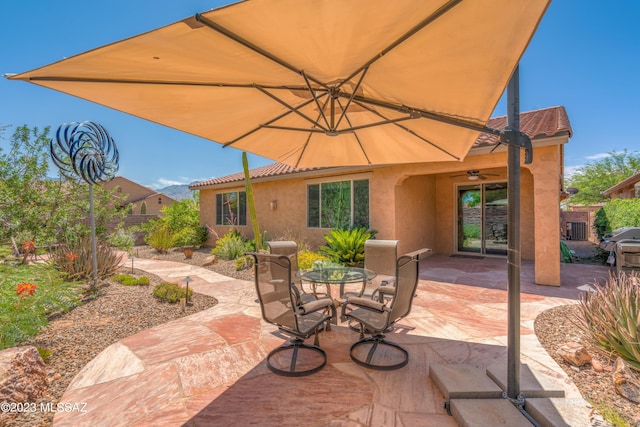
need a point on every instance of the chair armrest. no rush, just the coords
(316, 305)
(367, 303)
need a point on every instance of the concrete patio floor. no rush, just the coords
(208, 368)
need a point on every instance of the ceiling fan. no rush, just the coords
(473, 175)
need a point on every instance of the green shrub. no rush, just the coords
(44, 353)
(471, 231)
(76, 260)
(190, 236)
(129, 280)
(123, 239)
(610, 315)
(346, 246)
(243, 263)
(170, 292)
(306, 258)
(616, 214)
(160, 239)
(230, 246)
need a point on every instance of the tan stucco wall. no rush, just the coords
(416, 204)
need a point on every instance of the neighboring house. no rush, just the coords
(626, 189)
(450, 207)
(143, 200)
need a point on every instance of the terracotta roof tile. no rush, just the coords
(542, 123)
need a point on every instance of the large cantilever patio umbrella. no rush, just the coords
(326, 83)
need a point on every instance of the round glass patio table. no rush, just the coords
(336, 276)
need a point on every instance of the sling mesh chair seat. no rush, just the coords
(289, 248)
(380, 257)
(282, 306)
(374, 317)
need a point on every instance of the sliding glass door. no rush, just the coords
(482, 218)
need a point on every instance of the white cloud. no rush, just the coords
(181, 180)
(570, 170)
(598, 156)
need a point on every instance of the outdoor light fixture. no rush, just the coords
(273, 205)
(186, 296)
(472, 177)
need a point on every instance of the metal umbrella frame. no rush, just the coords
(329, 83)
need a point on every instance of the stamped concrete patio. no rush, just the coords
(208, 368)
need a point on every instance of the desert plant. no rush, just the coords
(160, 238)
(306, 258)
(129, 280)
(44, 353)
(189, 236)
(346, 246)
(123, 239)
(75, 260)
(170, 292)
(243, 262)
(230, 246)
(610, 315)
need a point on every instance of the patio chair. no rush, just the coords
(282, 306)
(289, 248)
(379, 256)
(374, 317)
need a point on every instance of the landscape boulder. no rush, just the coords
(574, 353)
(625, 381)
(210, 260)
(23, 377)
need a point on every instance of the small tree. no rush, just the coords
(595, 177)
(36, 208)
(143, 208)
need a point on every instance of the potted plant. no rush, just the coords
(188, 239)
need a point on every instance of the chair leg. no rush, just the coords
(296, 347)
(378, 343)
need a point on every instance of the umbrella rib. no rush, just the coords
(355, 90)
(428, 20)
(355, 135)
(280, 116)
(406, 129)
(315, 98)
(246, 43)
(416, 113)
(291, 108)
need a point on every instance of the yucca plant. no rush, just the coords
(610, 315)
(346, 246)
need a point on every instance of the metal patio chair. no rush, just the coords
(282, 306)
(380, 257)
(374, 317)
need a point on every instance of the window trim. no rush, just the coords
(237, 192)
(348, 178)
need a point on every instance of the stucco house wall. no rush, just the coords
(413, 203)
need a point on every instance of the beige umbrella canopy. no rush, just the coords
(316, 83)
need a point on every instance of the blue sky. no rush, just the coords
(584, 56)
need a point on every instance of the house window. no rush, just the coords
(338, 204)
(231, 208)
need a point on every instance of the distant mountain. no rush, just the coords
(177, 192)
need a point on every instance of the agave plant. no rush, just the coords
(75, 260)
(346, 246)
(610, 315)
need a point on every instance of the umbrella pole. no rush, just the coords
(513, 244)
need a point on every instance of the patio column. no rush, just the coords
(546, 193)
